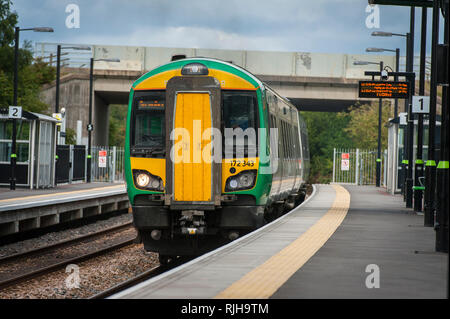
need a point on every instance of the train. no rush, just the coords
(211, 154)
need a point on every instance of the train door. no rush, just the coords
(193, 110)
(192, 168)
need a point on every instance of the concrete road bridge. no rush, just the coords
(312, 81)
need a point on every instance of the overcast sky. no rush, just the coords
(327, 26)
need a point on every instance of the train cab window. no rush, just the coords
(239, 111)
(148, 124)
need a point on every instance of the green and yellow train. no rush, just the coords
(211, 154)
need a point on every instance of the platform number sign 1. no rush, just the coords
(421, 104)
(15, 112)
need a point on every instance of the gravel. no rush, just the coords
(54, 237)
(20, 266)
(96, 275)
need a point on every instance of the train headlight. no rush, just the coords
(155, 183)
(142, 180)
(233, 183)
(194, 69)
(244, 180)
(147, 181)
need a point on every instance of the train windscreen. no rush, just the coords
(239, 123)
(149, 123)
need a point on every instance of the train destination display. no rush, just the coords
(383, 89)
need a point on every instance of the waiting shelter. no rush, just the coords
(35, 149)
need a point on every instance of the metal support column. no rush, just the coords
(430, 166)
(442, 187)
(418, 169)
(410, 154)
(405, 131)
(378, 165)
(13, 156)
(89, 155)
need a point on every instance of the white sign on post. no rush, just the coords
(102, 158)
(420, 104)
(15, 112)
(345, 165)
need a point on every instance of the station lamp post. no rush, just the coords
(90, 126)
(380, 103)
(397, 68)
(58, 70)
(13, 159)
(407, 138)
(397, 57)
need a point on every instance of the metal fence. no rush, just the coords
(357, 167)
(63, 164)
(107, 163)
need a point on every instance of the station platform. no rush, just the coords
(25, 209)
(342, 242)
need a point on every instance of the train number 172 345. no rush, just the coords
(243, 163)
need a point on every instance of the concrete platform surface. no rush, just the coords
(25, 198)
(379, 234)
(6, 193)
(343, 242)
(24, 209)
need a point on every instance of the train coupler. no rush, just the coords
(192, 222)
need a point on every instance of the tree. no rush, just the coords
(117, 124)
(363, 125)
(31, 75)
(8, 21)
(325, 132)
(357, 128)
(70, 136)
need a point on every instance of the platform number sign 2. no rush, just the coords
(15, 112)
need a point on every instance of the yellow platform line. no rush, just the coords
(58, 194)
(266, 279)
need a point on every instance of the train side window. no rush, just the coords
(291, 142)
(297, 143)
(294, 142)
(288, 130)
(285, 147)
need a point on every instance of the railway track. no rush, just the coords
(28, 275)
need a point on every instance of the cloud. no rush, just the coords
(283, 25)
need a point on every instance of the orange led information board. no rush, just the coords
(383, 89)
(151, 104)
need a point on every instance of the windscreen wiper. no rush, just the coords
(146, 152)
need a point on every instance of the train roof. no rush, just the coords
(210, 63)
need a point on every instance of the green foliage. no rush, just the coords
(357, 128)
(8, 20)
(363, 126)
(71, 136)
(117, 124)
(325, 132)
(31, 75)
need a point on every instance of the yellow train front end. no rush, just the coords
(187, 196)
